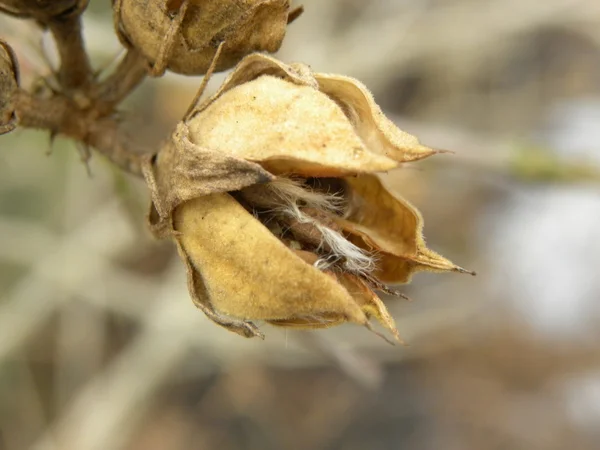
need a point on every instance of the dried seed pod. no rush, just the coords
(42, 10)
(183, 35)
(9, 81)
(248, 272)
(307, 231)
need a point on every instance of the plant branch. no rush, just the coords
(75, 69)
(61, 115)
(128, 74)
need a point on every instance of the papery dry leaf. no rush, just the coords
(248, 273)
(244, 26)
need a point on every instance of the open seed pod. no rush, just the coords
(183, 35)
(42, 10)
(9, 82)
(269, 189)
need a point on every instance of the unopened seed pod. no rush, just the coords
(183, 35)
(41, 10)
(8, 85)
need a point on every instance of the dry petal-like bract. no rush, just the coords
(294, 121)
(289, 224)
(248, 272)
(9, 80)
(286, 127)
(379, 221)
(42, 10)
(184, 37)
(187, 171)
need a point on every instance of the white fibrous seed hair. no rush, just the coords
(290, 194)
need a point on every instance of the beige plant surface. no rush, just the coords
(292, 195)
(243, 26)
(291, 224)
(269, 187)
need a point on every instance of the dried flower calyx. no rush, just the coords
(183, 35)
(296, 230)
(9, 82)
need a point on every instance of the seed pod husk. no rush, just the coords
(291, 225)
(244, 26)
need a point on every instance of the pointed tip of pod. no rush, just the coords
(419, 151)
(437, 151)
(397, 338)
(465, 271)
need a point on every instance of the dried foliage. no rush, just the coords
(269, 187)
(298, 152)
(184, 38)
(99, 348)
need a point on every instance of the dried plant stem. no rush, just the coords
(75, 68)
(83, 109)
(61, 115)
(128, 74)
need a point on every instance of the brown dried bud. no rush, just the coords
(9, 82)
(42, 10)
(187, 33)
(295, 229)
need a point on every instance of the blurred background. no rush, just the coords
(101, 347)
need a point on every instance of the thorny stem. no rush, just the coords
(75, 69)
(60, 114)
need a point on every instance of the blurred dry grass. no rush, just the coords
(101, 348)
